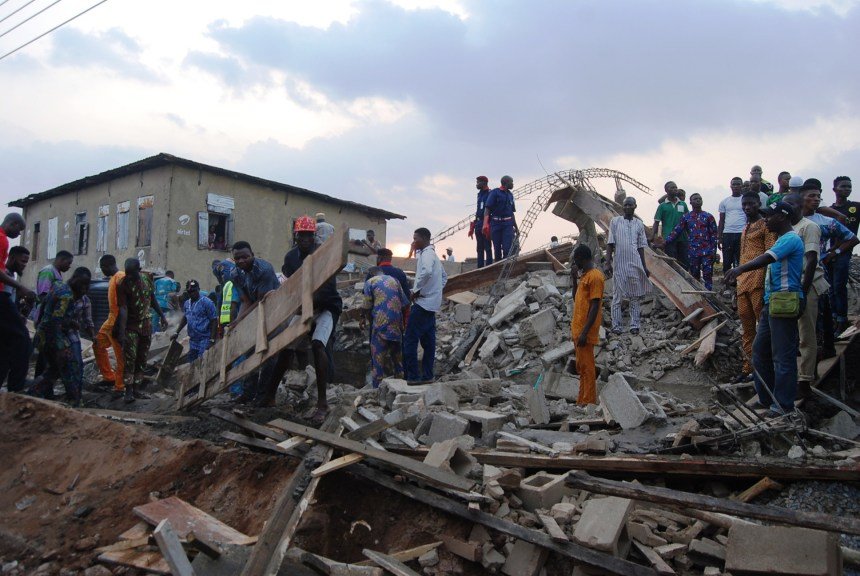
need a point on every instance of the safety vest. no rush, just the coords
(226, 302)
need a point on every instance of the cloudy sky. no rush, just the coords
(401, 103)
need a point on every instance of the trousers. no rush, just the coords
(618, 314)
(420, 328)
(135, 351)
(702, 268)
(678, 250)
(775, 361)
(749, 309)
(587, 375)
(485, 248)
(16, 346)
(839, 286)
(105, 340)
(731, 250)
(386, 359)
(808, 339)
(503, 238)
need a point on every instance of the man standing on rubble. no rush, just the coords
(430, 279)
(324, 229)
(499, 220)
(327, 309)
(625, 262)
(50, 276)
(484, 244)
(668, 215)
(756, 239)
(385, 303)
(775, 345)
(701, 229)
(842, 263)
(104, 338)
(15, 350)
(202, 320)
(383, 262)
(731, 226)
(133, 328)
(585, 325)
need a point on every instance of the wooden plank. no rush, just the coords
(352, 425)
(706, 333)
(139, 530)
(185, 518)
(536, 537)
(552, 528)
(377, 426)
(434, 475)
(171, 359)
(757, 489)
(292, 442)
(409, 554)
(136, 417)
(337, 464)
(147, 561)
(264, 431)
(393, 565)
(466, 297)
(255, 442)
(556, 265)
(171, 549)
(200, 544)
(815, 520)
(708, 344)
(280, 305)
(125, 545)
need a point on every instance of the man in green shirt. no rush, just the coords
(668, 214)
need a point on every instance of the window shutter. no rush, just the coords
(228, 236)
(203, 230)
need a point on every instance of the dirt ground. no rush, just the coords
(44, 447)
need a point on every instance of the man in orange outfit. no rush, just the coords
(587, 317)
(104, 339)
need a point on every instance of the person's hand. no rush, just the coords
(26, 293)
(731, 276)
(486, 230)
(471, 229)
(163, 323)
(174, 336)
(607, 268)
(827, 258)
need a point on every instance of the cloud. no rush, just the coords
(111, 50)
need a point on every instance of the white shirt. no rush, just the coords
(430, 279)
(736, 220)
(451, 258)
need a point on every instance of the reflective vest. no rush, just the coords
(226, 303)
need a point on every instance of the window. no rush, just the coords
(37, 229)
(215, 225)
(144, 220)
(52, 239)
(102, 228)
(122, 225)
(82, 233)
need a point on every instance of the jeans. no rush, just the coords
(421, 328)
(485, 248)
(503, 238)
(678, 250)
(839, 291)
(731, 249)
(775, 361)
(15, 348)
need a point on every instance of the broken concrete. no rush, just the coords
(756, 549)
(538, 329)
(449, 455)
(446, 426)
(603, 525)
(621, 403)
(525, 559)
(541, 490)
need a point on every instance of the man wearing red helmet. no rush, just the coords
(327, 308)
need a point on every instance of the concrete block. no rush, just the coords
(389, 388)
(841, 425)
(510, 479)
(441, 395)
(469, 550)
(491, 559)
(463, 313)
(541, 490)
(538, 406)
(621, 404)
(643, 534)
(525, 559)
(534, 281)
(490, 473)
(756, 549)
(403, 401)
(479, 534)
(562, 351)
(482, 423)
(446, 426)
(706, 552)
(517, 296)
(504, 314)
(534, 307)
(603, 525)
(431, 558)
(538, 329)
(559, 385)
(481, 301)
(469, 388)
(563, 512)
(450, 456)
(490, 345)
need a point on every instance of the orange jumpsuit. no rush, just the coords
(590, 287)
(105, 340)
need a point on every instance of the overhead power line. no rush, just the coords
(3, 2)
(78, 15)
(22, 22)
(15, 11)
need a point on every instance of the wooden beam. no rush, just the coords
(816, 520)
(277, 307)
(171, 549)
(393, 565)
(706, 332)
(337, 464)
(556, 265)
(434, 475)
(709, 343)
(536, 537)
(408, 555)
(264, 431)
(254, 442)
(377, 426)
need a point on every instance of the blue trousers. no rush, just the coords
(485, 248)
(196, 348)
(839, 286)
(420, 328)
(503, 238)
(775, 360)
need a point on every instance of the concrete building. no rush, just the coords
(177, 214)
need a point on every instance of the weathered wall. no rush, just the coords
(261, 216)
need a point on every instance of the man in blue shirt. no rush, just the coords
(165, 288)
(776, 341)
(202, 321)
(499, 218)
(485, 247)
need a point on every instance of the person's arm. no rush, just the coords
(662, 198)
(422, 274)
(154, 303)
(810, 264)
(89, 327)
(833, 213)
(713, 235)
(642, 258)
(6, 278)
(720, 228)
(179, 328)
(593, 309)
(849, 241)
(118, 331)
(676, 232)
(234, 310)
(610, 253)
(213, 324)
(247, 305)
(754, 264)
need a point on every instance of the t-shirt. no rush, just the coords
(164, 287)
(669, 215)
(113, 306)
(735, 219)
(851, 210)
(590, 287)
(4, 252)
(784, 274)
(810, 233)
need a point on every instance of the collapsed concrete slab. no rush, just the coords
(525, 559)
(446, 426)
(603, 525)
(538, 329)
(756, 549)
(620, 403)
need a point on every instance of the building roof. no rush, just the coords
(163, 159)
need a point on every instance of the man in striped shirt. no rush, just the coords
(625, 262)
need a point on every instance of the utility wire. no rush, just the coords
(78, 15)
(22, 22)
(3, 2)
(16, 11)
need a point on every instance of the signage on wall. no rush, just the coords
(184, 220)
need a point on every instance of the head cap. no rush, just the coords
(795, 182)
(320, 216)
(192, 284)
(778, 208)
(482, 179)
(305, 224)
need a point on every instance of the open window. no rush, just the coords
(102, 228)
(34, 252)
(82, 233)
(144, 220)
(215, 225)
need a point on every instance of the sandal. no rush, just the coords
(316, 416)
